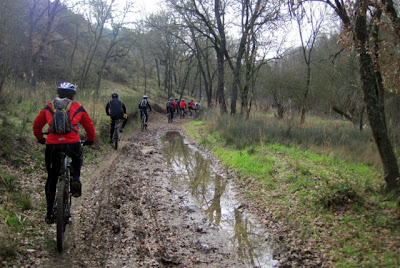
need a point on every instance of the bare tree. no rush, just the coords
(254, 16)
(208, 18)
(313, 18)
(42, 23)
(100, 12)
(361, 28)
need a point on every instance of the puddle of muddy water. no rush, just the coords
(209, 189)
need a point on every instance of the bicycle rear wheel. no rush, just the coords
(60, 220)
(116, 136)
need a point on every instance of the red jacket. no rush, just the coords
(77, 114)
(174, 104)
(182, 105)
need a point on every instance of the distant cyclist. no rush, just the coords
(177, 106)
(197, 108)
(63, 137)
(170, 108)
(143, 105)
(116, 110)
(191, 107)
(182, 106)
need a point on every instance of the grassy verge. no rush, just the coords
(332, 212)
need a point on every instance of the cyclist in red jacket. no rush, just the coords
(190, 107)
(68, 142)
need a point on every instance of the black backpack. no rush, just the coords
(169, 104)
(116, 109)
(61, 123)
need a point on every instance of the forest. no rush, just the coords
(320, 76)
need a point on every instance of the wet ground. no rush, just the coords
(161, 201)
(208, 189)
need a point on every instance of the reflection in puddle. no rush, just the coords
(212, 192)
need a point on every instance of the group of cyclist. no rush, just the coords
(68, 141)
(176, 106)
(116, 110)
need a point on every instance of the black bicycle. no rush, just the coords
(63, 200)
(143, 118)
(116, 134)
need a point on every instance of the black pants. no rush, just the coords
(171, 111)
(53, 165)
(113, 119)
(142, 112)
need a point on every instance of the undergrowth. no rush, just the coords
(336, 138)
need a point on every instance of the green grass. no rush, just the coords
(336, 204)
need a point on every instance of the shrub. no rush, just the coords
(332, 137)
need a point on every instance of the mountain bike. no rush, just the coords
(143, 118)
(63, 200)
(196, 113)
(183, 112)
(116, 134)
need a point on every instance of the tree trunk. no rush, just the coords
(373, 97)
(304, 101)
(221, 82)
(144, 71)
(158, 74)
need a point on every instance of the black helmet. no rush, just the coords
(145, 97)
(114, 95)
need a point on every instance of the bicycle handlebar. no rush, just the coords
(82, 142)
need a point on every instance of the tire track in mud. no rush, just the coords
(130, 216)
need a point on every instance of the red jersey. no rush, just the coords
(182, 105)
(174, 104)
(77, 114)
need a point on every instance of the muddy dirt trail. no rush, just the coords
(140, 209)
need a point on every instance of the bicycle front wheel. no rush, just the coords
(61, 197)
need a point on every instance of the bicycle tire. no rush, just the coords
(116, 136)
(60, 220)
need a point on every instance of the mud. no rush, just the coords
(132, 214)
